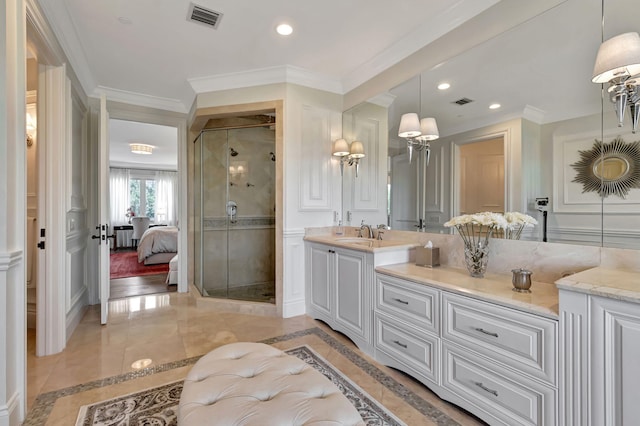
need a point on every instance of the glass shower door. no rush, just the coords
(235, 214)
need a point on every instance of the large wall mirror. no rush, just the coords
(530, 147)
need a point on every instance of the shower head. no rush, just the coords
(272, 156)
(233, 152)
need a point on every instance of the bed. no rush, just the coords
(158, 245)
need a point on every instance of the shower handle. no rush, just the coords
(232, 211)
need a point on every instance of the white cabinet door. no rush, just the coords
(319, 281)
(352, 313)
(615, 362)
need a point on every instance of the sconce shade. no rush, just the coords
(620, 55)
(357, 150)
(340, 148)
(409, 125)
(429, 129)
(140, 148)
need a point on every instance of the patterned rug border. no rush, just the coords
(44, 403)
(303, 352)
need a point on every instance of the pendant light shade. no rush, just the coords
(357, 149)
(429, 129)
(409, 125)
(340, 148)
(620, 55)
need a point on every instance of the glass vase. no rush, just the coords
(476, 257)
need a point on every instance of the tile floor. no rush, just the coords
(169, 328)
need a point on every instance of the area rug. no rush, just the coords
(125, 264)
(159, 405)
(44, 404)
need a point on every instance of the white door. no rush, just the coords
(405, 194)
(103, 208)
(42, 284)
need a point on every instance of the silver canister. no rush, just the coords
(521, 280)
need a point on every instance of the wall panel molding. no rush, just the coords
(315, 159)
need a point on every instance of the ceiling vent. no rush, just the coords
(463, 101)
(204, 16)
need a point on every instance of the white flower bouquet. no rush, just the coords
(475, 227)
(516, 222)
(475, 230)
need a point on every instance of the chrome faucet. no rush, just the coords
(363, 226)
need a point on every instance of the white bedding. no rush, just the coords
(159, 239)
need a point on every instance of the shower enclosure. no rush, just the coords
(234, 208)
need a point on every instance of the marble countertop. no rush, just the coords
(543, 299)
(362, 244)
(612, 283)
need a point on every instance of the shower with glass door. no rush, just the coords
(234, 208)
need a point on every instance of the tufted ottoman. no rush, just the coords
(256, 384)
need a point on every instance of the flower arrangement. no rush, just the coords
(516, 222)
(130, 213)
(475, 230)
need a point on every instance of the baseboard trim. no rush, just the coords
(77, 311)
(9, 413)
(294, 308)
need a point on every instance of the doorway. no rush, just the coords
(143, 186)
(481, 177)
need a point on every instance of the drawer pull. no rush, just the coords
(404, 302)
(482, 330)
(400, 344)
(486, 389)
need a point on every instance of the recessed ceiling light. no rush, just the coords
(284, 29)
(443, 86)
(494, 106)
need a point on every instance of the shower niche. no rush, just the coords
(235, 213)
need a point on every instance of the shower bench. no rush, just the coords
(256, 384)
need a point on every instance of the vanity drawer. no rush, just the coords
(411, 302)
(411, 347)
(504, 394)
(526, 342)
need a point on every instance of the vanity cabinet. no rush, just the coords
(407, 325)
(497, 362)
(337, 290)
(600, 373)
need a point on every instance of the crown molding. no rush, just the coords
(140, 99)
(62, 45)
(534, 114)
(264, 76)
(383, 99)
(437, 26)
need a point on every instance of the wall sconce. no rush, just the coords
(140, 148)
(418, 133)
(31, 129)
(618, 63)
(350, 154)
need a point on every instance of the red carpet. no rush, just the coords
(125, 264)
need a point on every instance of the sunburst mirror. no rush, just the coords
(609, 168)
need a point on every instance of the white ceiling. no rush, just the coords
(164, 140)
(540, 69)
(147, 50)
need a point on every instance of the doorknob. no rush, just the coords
(232, 211)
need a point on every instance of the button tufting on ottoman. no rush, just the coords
(256, 384)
